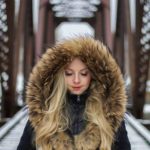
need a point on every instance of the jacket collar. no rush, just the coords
(74, 99)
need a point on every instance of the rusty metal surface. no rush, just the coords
(29, 40)
(118, 50)
(50, 27)
(7, 57)
(106, 20)
(142, 57)
(40, 35)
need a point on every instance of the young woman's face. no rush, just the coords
(77, 76)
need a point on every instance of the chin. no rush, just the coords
(77, 92)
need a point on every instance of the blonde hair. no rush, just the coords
(94, 113)
(56, 120)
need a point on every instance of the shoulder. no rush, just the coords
(121, 141)
(27, 138)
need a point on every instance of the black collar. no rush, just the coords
(74, 99)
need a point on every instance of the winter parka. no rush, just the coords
(110, 85)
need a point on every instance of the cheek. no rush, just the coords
(88, 80)
(68, 81)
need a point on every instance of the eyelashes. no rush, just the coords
(70, 73)
(84, 74)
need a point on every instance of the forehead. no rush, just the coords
(77, 64)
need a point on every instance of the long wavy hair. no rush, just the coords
(94, 113)
(56, 120)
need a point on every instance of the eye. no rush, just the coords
(68, 73)
(84, 73)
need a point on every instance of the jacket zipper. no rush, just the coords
(78, 98)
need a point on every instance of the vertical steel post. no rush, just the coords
(118, 49)
(10, 93)
(40, 35)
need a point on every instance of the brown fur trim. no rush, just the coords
(104, 70)
(61, 141)
(89, 139)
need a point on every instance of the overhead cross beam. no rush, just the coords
(75, 8)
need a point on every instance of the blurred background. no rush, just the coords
(28, 27)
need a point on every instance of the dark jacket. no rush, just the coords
(109, 89)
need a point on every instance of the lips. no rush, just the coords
(77, 87)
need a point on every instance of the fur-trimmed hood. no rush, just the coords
(100, 62)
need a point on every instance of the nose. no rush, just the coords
(76, 79)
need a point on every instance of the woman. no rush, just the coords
(76, 99)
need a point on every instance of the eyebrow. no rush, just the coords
(80, 70)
